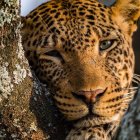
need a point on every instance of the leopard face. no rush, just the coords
(82, 50)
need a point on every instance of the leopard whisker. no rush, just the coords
(136, 78)
(129, 94)
(138, 75)
(131, 88)
(136, 81)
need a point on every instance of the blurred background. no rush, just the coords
(29, 5)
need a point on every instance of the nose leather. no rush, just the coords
(91, 95)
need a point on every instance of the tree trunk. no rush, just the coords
(26, 108)
(130, 126)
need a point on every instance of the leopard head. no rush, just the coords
(82, 49)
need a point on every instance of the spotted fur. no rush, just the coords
(62, 41)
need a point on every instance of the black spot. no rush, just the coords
(61, 19)
(119, 59)
(62, 39)
(31, 27)
(57, 15)
(73, 11)
(41, 28)
(51, 23)
(34, 42)
(66, 4)
(37, 25)
(45, 16)
(65, 49)
(10, 116)
(81, 13)
(54, 6)
(86, 40)
(91, 23)
(102, 9)
(78, 47)
(103, 19)
(52, 11)
(65, 13)
(36, 33)
(100, 5)
(34, 14)
(125, 53)
(81, 8)
(126, 61)
(36, 18)
(42, 7)
(54, 72)
(31, 35)
(44, 11)
(90, 130)
(86, 3)
(78, 133)
(55, 30)
(74, 14)
(106, 126)
(78, 2)
(28, 44)
(90, 17)
(127, 76)
(99, 134)
(91, 11)
(130, 62)
(75, 6)
(48, 19)
(103, 136)
(90, 138)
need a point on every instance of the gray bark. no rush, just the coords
(130, 126)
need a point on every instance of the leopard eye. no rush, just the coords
(105, 44)
(55, 53)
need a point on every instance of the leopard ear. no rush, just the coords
(129, 11)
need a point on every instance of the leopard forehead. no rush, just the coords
(76, 24)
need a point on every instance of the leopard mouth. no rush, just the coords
(89, 104)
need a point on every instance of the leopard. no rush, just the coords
(82, 49)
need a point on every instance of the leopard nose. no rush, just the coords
(90, 96)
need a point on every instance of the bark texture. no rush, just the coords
(130, 127)
(26, 110)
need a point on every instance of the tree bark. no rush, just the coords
(130, 126)
(27, 111)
